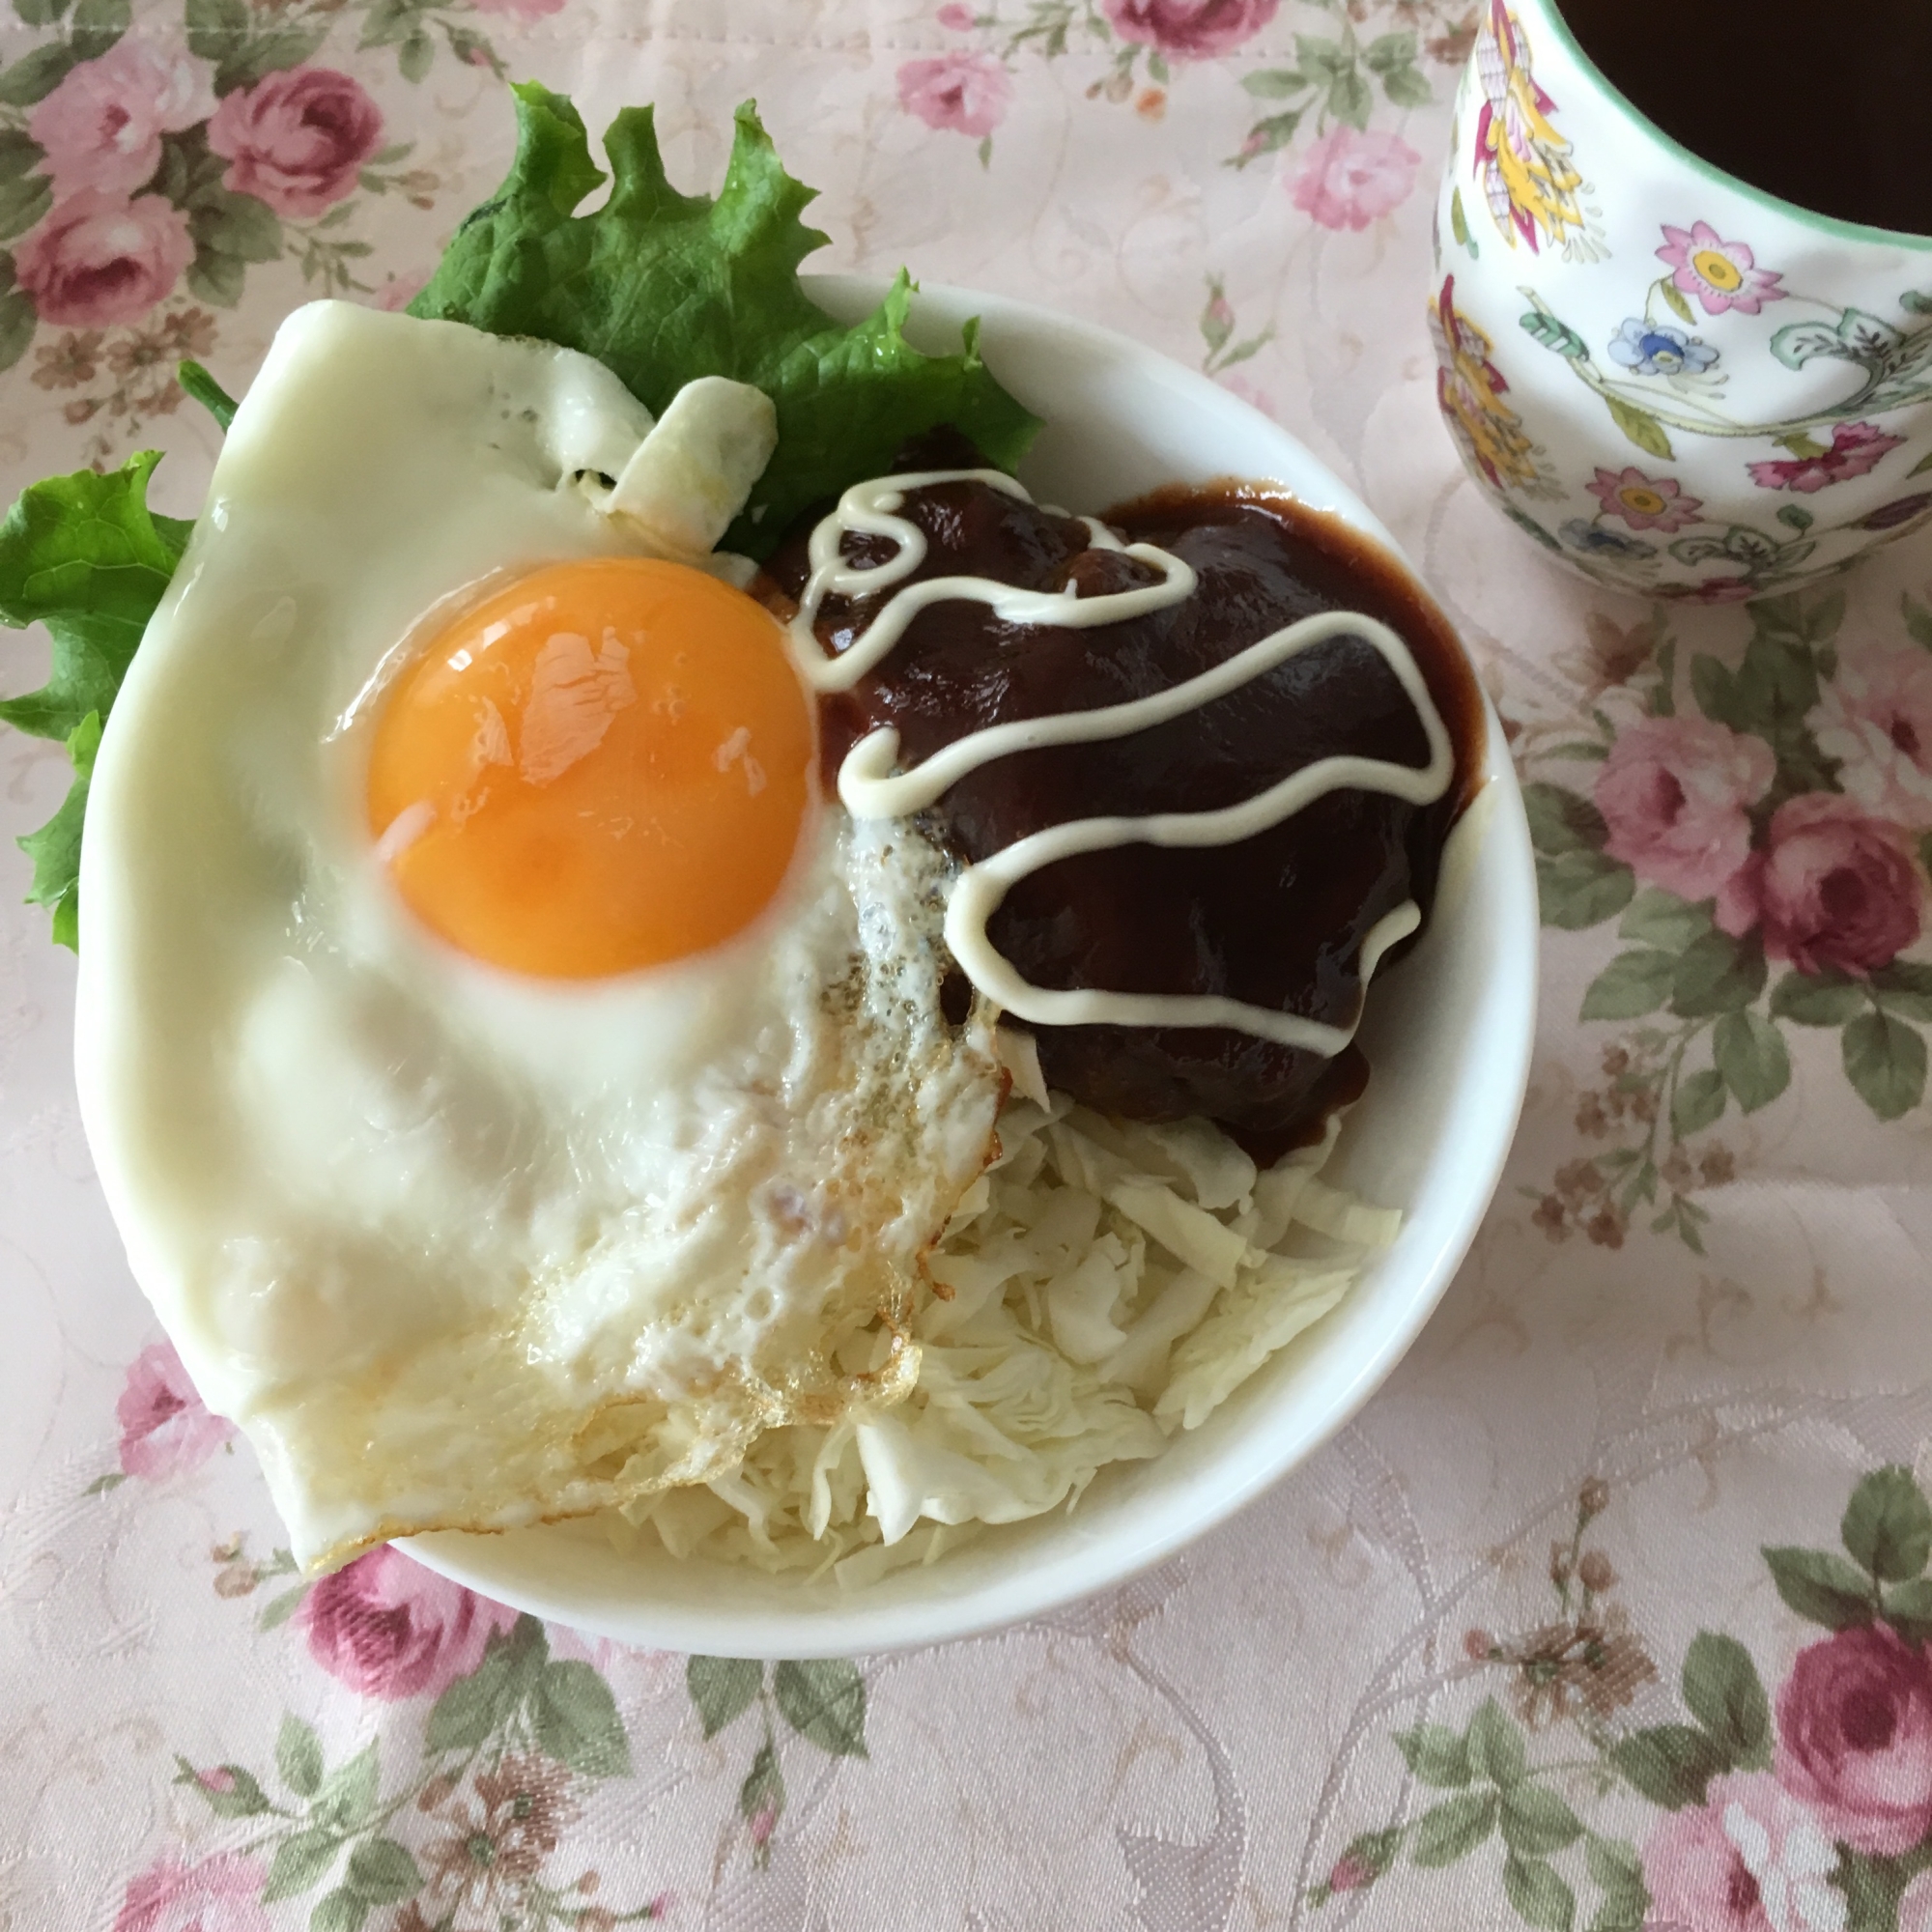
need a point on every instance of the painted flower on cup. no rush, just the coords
(1749, 1858)
(1348, 177)
(1654, 348)
(1645, 503)
(1469, 390)
(222, 1893)
(1189, 29)
(519, 10)
(388, 1628)
(98, 259)
(1722, 275)
(1855, 448)
(165, 1428)
(1676, 793)
(1896, 516)
(1529, 180)
(101, 127)
(296, 139)
(965, 93)
(1854, 1737)
(1875, 717)
(1597, 540)
(1835, 890)
(956, 18)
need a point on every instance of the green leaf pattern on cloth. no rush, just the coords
(1768, 882)
(512, 1749)
(1818, 1800)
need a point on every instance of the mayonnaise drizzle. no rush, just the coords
(868, 508)
(871, 788)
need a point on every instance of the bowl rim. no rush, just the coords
(857, 1627)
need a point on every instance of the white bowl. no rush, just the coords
(1448, 1037)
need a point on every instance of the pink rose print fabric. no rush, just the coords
(101, 127)
(1675, 793)
(1914, 1905)
(1349, 178)
(296, 140)
(1749, 1858)
(1751, 831)
(390, 1629)
(1855, 1738)
(222, 1893)
(1189, 29)
(1251, 393)
(1809, 1810)
(150, 185)
(1351, 1872)
(399, 292)
(165, 1430)
(965, 93)
(98, 259)
(1876, 717)
(1833, 891)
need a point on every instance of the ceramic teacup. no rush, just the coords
(1679, 384)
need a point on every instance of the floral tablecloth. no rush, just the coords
(1609, 1611)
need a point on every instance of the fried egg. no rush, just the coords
(512, 1081)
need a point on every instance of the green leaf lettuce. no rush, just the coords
(84, 556)
(662, 287)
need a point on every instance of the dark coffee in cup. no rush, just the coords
(1826, 107)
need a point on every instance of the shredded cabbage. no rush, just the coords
(1102, 1285)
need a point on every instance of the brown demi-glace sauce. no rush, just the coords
(1275, 921)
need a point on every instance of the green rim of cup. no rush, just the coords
(1829, 224)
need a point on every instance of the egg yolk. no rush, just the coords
(604, 766)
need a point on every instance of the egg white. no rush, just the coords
(456, 1248)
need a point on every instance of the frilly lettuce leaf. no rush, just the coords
(55, 848)
(662, 287)
(84, 556)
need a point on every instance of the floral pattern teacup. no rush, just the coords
(1677, 382)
